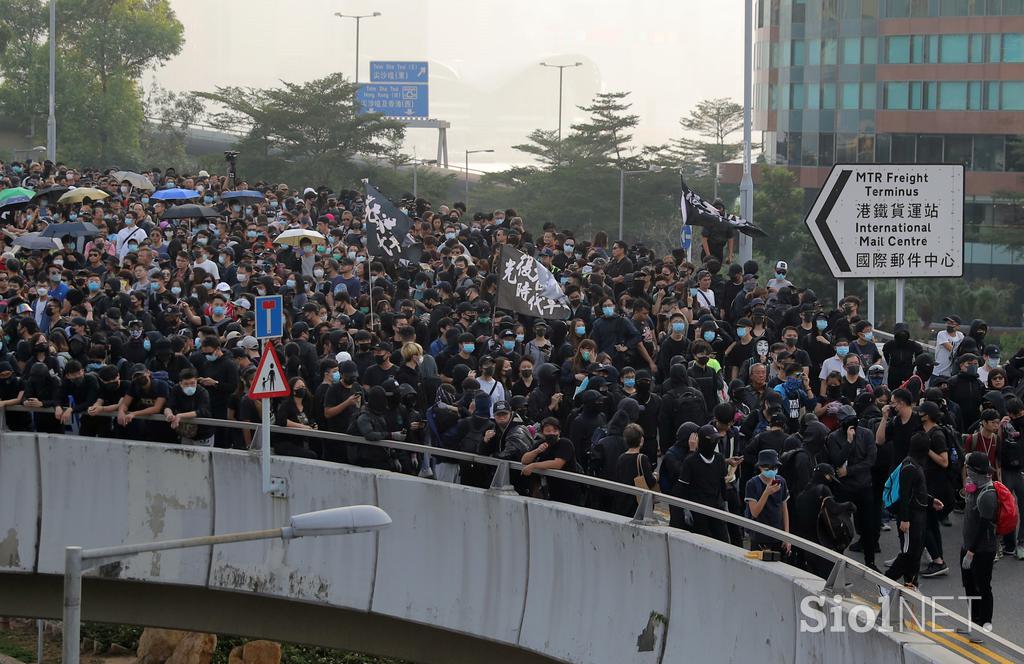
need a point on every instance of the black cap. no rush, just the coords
(768, 458)
(137, 369)
(502, 407)
(979, 463)
(992, 350)
(709, 432)
(385, 346)
(932, 410)
(953, 318)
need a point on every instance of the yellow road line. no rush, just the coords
(949, 644)
(980, 648)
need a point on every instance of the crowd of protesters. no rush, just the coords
(710, 380)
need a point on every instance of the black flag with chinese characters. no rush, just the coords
(527, 287)
(386, 225)
(698, 212)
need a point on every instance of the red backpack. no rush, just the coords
(1006, 512)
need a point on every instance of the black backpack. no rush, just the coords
(688, 406)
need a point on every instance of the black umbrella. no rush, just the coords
(190, 211)
(72, 229)
(51, 194)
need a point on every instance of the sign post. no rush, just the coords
(397, 89)
(269, 381)
(890, 221)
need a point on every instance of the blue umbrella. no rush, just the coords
(15, 203)
(175, 194)
(247, 195)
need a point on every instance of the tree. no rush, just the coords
(608, 133)
(170, 117)
(713, 120)
(292, 127)
(103, 46)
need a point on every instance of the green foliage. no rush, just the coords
(169, 117)
(105, 634)
(1010, 343)
(103, 46)
(992, 300)
(606, 135)
(713, 120)
(16, 651)
(302, 127)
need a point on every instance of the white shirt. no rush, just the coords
(943, 357)
(129, 233)
(705, 299)
(493, 388)
(835, 363)
(211, 269)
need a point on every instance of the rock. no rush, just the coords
(235, 656)
(157, 645)
(262, 652)
(118, 650)
(195, 648)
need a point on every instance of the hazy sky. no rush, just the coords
(484, 54)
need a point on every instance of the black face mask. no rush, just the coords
(643, 387)
(381, 359)
(706, 447)
(852, 370)
(300, 392)
(551, 439)
(526, 374)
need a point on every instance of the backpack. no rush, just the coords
(891, 492)
(1006, 512)
(688, 406)
(665, 481)
(600, 431)
(956, 454)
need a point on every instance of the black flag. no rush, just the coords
(386, 225)
(698, 212)
(527, 287)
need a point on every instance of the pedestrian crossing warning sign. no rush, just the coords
(269, 381)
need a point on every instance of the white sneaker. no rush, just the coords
(888, 563)
(886, 527)
(1020, 552)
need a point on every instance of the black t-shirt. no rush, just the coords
(850, 391)
(336, 394)
(376, 375)
(147, 397)
(289, 411)
(561, 490)
(703, 481)
(899, 434)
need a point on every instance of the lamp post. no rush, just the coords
(51, 118)
(561, 69)
(415, 177)
(653, 168)
(335, 521)
(747, 182)
(358, 18)
(469, 152)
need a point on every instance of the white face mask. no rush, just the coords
(762, 348)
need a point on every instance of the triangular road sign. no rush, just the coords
(270, 380)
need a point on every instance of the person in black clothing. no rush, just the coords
(797, 465)
(806, 515)
(293, 412)
(189, 400)
(911, 511)
(980, 543)
(78, 391)
(554, 453)
(219, 375)
(630, 465)
(702, 480)
(681, 402)
(583, 425)
(675, 344)
(936, 472)
(772, 438)
(308, 357)
(900, 354)
(383, 369)
(341, 406)
(146, 395)
(852, 452)
(546, 400)
(12, 389)
(42, 390)
(705, 378)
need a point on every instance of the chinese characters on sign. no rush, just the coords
(387, 225)
(527, 287)
(891, 220)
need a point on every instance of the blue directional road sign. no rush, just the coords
(269, 316)
(394, 101)
(387, 71)
(686, 236)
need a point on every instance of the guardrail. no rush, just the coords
(843, 568)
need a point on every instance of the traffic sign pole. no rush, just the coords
(900, 285)
(871, 301)
(265, 446)
(840, 291)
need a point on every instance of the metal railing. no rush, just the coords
(837, 583)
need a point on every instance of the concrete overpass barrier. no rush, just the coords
(527, 580)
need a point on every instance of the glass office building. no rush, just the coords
(891, 81)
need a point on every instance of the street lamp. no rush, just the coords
(747, 182)
(561, 69)
(469, 152)
(358, 18)
(653, 168)
(51, 119)
(335, 521)
(415, 181)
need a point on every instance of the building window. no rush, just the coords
(865, 149)
(813, 52)
(916, 103)
(1013, 7)
(883, 143)
(897, 8)
(989, 153)
(828, 51)
(958, 150)
(953, 49)
(813, 96)
(826, 149)
(974, 96)
(868, 93)
(977, 53)
(897, 95)
(897, 50)
(1013, 48)
(992, 96)
(870, 51)
(851, 51)
(796, 96)
(952, 95)
(846, 148)
(904, 148)
(869, 9)
(1012, 96)
(929, 149)
(809, 150)
(798, 53)
(799, 11)
(994, 48)
(918, 8)
(828, 96)
(851, 96)
(953, 8)
(919, 50)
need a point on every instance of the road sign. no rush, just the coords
(393, 100)
(390, 71)
(891, 220)
(269, 316)
(686, 236)
(270, 380)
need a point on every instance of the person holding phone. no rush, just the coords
(767, 499)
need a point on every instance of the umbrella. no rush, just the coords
(51, 193)
(190, 211)
(81, 193)
(244, 196)
(73, 229)
(175, 194)
(15, 192)
(136, 180)
(36, 241)
(14, 203)
(294, 236)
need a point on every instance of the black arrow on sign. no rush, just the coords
(822, 221)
